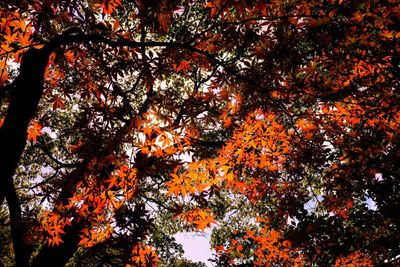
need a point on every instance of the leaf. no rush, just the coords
(109, 6)
(34, 131)
(184, 66)
(58, 103)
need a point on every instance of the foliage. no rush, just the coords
(276, 123)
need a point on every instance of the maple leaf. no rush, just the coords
(24, 39)
(34, 131)
(205, 221)
(69, 56)
(109, 6)
(55, 241)
(6, 48)
(183, 66)
(112, 181)
(3, 76)
(100, 207)
(11, 38)
(387, 34)
(144, 256)
(213, 6)
(58, 103)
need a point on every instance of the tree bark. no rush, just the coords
(24, 100)
(27, 91)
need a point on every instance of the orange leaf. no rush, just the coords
(34, 131)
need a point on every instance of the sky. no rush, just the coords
(196, 246)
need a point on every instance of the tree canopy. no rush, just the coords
(275, 124)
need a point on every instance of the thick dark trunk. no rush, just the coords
(24, 101)
(23, 104)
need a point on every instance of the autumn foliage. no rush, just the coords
(273, 124)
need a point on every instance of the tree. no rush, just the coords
(274, 121)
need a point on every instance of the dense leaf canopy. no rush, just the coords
(276, 124)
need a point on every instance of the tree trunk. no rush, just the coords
(24, 101)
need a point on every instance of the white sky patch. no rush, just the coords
(196, 246)
(312, 204)
(378, 177)
(50, 132)
(371, 204)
